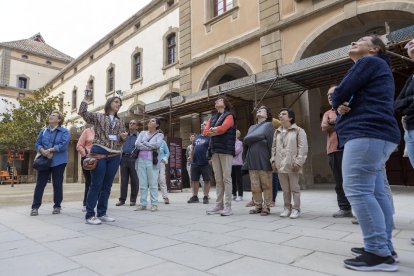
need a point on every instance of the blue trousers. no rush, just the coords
(57, 180)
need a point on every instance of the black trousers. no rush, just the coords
(128, 171)
(87, 175)
(57, 180)
(335, 162)
(236, 179)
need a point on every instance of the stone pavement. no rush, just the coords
(180, 239)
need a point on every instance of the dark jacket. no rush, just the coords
(405, 102)
(224, 143)
(371, 85)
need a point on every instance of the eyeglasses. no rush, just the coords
(53, 115)
(132, 123)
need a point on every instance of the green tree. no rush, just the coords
(20, 125)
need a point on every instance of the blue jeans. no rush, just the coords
(148, 179)
(42, 179)
(101, 183)
(275, 185)
(409, 143)
(364, 186)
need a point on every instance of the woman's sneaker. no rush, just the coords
(226, 212)
(371, 262)
(205, 200)
(239, 198)
(286, 212)
(193, 199)
(295, 214)
(105, 218)
(93, 221)
(216, 210)
(34, 212)
(357, 251)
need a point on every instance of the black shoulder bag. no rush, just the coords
(42, 163)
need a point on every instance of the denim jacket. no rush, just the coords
(164, 152)
(45, 141)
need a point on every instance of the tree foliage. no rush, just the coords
(20, 125)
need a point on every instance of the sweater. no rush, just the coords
(370, 85)
(259, 139)
(405, 102)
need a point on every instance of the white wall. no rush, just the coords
(150, 39)
(38, 75)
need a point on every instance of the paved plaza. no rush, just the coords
(180, 239)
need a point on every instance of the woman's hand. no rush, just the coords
(344, 108)
(274, 167)
(124, 135)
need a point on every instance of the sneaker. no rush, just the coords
(412, 240)
(84, 209)
(239, 198)
(371, 262)
(132, 203)
(250, 204)
(295, 214)
(343, 214)
(93, 220)
(226, 212)
(357, 251)
(105, 218)
(234, 198)
(120, 203)
(56, 211)
(286, 212)
(205, 200)
(216, 210)
(154, 208)
(166, 200)
(193, 199)
(34, 212)
(141, 208)
(354, 221)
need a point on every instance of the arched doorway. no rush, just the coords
(224, 73)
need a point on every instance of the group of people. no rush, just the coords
(361, 128)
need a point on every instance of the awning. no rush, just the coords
(313, 72)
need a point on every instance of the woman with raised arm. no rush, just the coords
(110, 133)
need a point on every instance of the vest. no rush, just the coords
(224, 143)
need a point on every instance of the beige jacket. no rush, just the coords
(293, 151)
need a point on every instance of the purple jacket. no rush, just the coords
(237, 159)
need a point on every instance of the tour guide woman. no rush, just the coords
(110, 133)
(52, 142)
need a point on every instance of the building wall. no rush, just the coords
(150, 40)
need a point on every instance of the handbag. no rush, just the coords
(154, 157)
(42, 163)
(89, 163)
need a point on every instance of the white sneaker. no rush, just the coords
(84, 209)
(286, 212)
(154, 208)
(239, 198)
(93, 220)
(234, 197)
(105, 218)
(295, 214)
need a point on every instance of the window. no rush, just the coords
(74, 97)
(221, 6)
(22, 82)
(110, 79)
(90, 86)
(25, 56)
(171, 48)
(137, 66)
